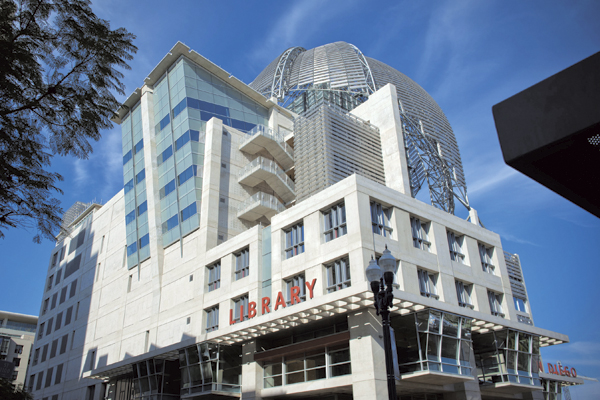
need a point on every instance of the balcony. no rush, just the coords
(259, 205)
(262, 137)
(263, 170)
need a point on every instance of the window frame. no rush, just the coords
(294, 240)
(381, 218)
(212, 318)
(485, 255)
(495, 301)
(464, 294)
(242, 300)
(298, 280)
(213, 278)
(338, 274)
(524, 309)
(242, 264)
(428, 283)
(420, 233)
(455, 245)
(334, 222)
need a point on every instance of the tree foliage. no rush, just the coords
(59, 67)
(9, 391)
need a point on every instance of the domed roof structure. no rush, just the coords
(342, 70)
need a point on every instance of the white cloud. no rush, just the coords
(488, 180)
(303, 20)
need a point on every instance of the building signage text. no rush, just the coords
(279, 302)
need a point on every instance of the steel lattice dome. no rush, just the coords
(342, 67)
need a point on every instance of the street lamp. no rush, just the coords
(384, 299)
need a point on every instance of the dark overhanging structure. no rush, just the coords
(551, 132)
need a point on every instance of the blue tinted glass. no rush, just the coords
(187, 174)
(188, 211)
(127, 157)
(129, 186)
(139, 146)
(144, 240)
(168, 188)
(130, 217)
(241, 125)
(195, 136)
(172, 222)
(179, 108)
(164, 122)
(141, 176)
(131, 249)
(249, 126)
(193, 103)
(165, 155)
(221, 110)
(205, 116)
(183, 139)
(206, 106)
(142, 208)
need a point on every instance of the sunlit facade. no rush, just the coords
(232, 264)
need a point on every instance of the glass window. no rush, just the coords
(129, 218)
(165, 155)
(144, 241)
(189, 172)
(296, 286)
(167, 189)
(240, 308)
(214, 276)
(455, 243)
(212, 319)
(463, 292)
(495, 300)
(140, 176)
(139, 146)
(485, 254)
(127, 157)
(129, 186)
(427, 283)
(188, 211)
(420, 231)
(242, 264)
(131, 249)
(520, 304)
(294, 240)
(335, 222)
(380, 219)
(170, 224)
(338, 275)
(142, 208)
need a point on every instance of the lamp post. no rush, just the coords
(384, 299)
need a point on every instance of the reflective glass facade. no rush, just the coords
(507, 356)
(433, 340)
(184, 100)
(134, 177)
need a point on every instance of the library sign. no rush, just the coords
(266, 304)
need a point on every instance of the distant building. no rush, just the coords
(17, 333)
(232, 264)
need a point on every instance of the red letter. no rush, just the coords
(251, 310)
(311, 287)
(280, 301)
(231, 321)
(550, 369)
(294, 295)
(573, 373)
(566, 371)
(265, 305)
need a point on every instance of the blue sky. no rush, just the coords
(469, 55)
